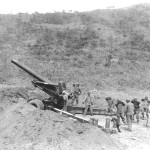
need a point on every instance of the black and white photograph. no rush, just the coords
(75, 75)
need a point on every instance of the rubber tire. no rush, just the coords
(37, 103)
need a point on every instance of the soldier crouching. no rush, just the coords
(116, 123)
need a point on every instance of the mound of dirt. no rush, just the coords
(23, 127)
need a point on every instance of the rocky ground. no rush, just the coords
(24, 127)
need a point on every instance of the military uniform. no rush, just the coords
(110, 103)
(120, 111)
(65, 97)
(76, 93)
(129, 111)
(88, 104)
(145, 106)
(136, 105)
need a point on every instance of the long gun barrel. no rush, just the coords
(52, 89)
(32, 73)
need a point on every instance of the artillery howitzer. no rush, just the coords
(52, 89)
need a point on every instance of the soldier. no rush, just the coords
(120, 111)
(116, 123)
(142, 107)
(136, 105)
(88, 104)
(145, 107)
(65, 97)
(76, 93)
(110, 103)
(129, 111)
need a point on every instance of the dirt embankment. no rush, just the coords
(23, 127)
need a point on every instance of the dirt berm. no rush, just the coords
(23, 127)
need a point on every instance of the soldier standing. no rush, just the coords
(76, 93)
(136, 105)
(142, 107)
(88, 104)
(120, 111)
(65, 97)
(129, 111)
(145, 107)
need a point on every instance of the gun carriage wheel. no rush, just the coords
(37, 103)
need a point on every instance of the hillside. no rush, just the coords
(74, 47)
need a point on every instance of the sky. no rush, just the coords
(43, 6)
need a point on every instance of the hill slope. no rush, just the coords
(75, 46)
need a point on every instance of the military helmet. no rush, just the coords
(142, 99)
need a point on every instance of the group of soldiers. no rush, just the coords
(75, 99)
(125, 111)
(129, 110)
(74, 96)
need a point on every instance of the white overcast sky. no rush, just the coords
(30, 6)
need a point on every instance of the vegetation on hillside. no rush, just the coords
(73, 46)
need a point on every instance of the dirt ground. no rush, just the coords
(23, 127)
(139, 138)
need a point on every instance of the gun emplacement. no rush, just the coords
(55, 91)
(52, 89)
